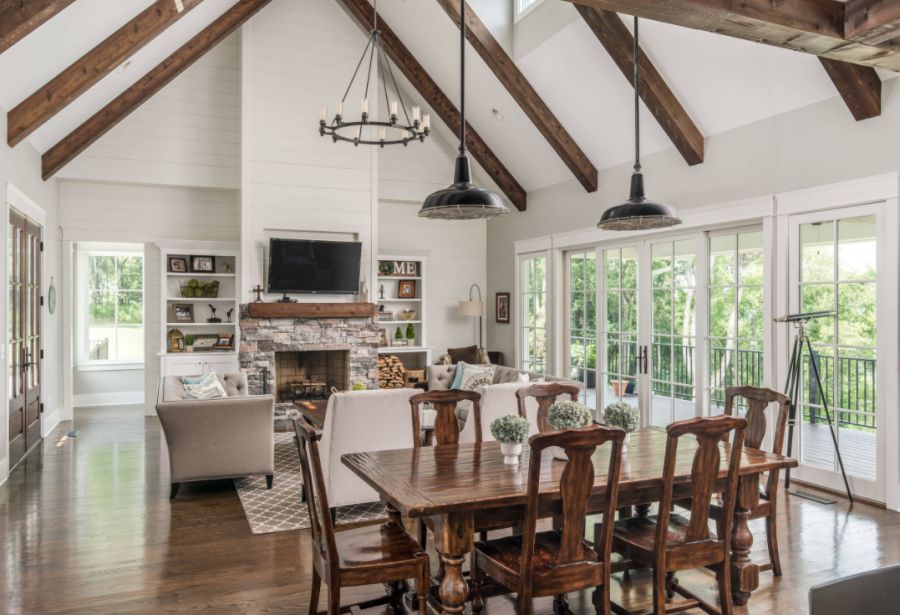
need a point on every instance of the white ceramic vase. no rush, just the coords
(511, 452)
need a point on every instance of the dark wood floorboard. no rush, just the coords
(87, 527)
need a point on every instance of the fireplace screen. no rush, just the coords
(310, 375)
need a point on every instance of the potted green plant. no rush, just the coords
(410, 334)
(398, 337)
(510, 431)
(189, 343)
(567, 415)
(624, 416)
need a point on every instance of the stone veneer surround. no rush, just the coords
(261, 338)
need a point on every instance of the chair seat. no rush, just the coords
(507, 552)
(386, 545)
(635, 538)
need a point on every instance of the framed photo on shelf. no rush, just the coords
(205, 342)
(406, 289)
(382, 337)
(502, 308)
(183, 312)
(203, 264)
(178, 264)
(224, 342)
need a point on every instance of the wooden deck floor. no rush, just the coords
(88, 528)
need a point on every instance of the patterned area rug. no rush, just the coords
(279, 509)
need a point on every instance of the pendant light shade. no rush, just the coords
(638, 213)
(462, 200)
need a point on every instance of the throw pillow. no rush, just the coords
(523, 377)
(194, 379)
(209, 388)
(457, 377)
(469, 354)
(474, 376)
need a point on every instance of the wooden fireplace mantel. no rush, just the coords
(312, 310)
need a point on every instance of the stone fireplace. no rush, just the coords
(299, 354)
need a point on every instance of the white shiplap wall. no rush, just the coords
(188, 134)
(296, 57)
(133, 213)
(455, 252)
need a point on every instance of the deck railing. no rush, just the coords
(855, 404)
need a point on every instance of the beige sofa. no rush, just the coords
(217, 438)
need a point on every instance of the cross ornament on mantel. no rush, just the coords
(259, 291)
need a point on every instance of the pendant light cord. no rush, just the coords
(462, 78)
(637, 100)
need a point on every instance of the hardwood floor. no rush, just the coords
(87, 527)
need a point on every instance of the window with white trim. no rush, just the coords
(111, 295)
(524, 6)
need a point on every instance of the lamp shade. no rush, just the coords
(471, 308)
(463, 200)
(638, 212)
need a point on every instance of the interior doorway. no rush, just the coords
(25, 269)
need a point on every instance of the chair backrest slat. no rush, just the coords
(546, 395)
(758, 400)
(307, 440)
(576, 484)
(709, 433)
(446, 423)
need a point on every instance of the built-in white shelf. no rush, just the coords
(172, 274)
(200, 299)
(399, 322)
(402, 349)
(399, 277)
(221, 325)
(419, 299)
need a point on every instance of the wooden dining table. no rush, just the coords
(461, 487)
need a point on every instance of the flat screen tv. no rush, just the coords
(305, 266)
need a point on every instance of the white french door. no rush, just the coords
(651, 316)
(838, 263)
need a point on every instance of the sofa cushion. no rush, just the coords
(439, 377)
(469, 354)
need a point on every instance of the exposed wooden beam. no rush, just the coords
(811, 26)
(361, 11)
(18, 18)
(655, 92)
(520, 89)
(79, 139)
(859, 86)
(872, 21)
(31, 113)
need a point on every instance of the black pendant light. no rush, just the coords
(463, 200)
(638, 213)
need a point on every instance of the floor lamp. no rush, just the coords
(474, 308)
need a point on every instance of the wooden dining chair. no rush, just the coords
(447, 429)
(758, 400)
(545, 395)
(558, 561)
(669, 542)
(446, 425)
(361, 556)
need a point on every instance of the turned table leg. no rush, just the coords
(744, 573)
(454, 537)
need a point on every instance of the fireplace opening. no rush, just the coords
(310, 375)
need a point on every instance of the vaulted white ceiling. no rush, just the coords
(723, 82)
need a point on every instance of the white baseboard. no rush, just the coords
(50, 421)
(4, 470)
(121, 398)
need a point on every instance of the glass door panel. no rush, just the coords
(838, 272)
(673, 325)
(582, 326)
(533, 323)
(620, 367)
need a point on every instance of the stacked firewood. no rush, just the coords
(391, 373)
